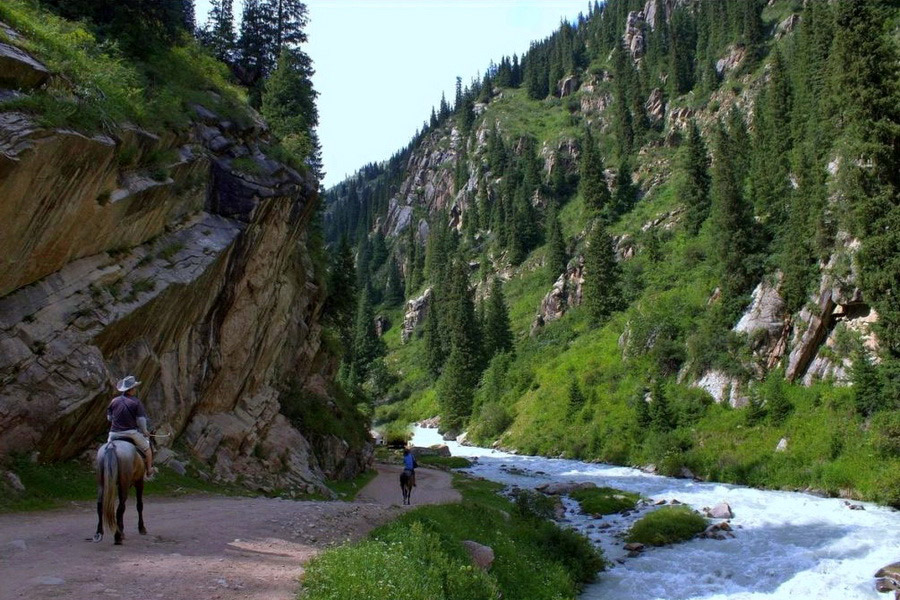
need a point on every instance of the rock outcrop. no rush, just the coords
(633, 38)
(416, 312)
(565, 294)
(190, 272)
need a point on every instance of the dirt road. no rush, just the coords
(197, 547)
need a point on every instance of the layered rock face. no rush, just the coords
(193, 275)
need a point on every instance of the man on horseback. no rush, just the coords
(410, 464)
(128, 420)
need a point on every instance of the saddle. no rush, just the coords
(116, 438)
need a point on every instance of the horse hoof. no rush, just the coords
(142, 531)
(118, 543)
(98, 537)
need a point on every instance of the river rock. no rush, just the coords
(482, 556)
(634, 547)
(436, 450)
(562, 488)
(888, 579)
(720, 511)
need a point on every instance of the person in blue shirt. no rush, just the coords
(410, 464)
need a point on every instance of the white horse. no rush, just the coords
(119, 466)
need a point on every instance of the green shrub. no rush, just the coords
(604, 500)
(886, 433)
(396, 434)
(667, 525)
(533, 505)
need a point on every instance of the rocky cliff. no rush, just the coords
(180, 257)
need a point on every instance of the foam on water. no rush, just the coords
(786, 546)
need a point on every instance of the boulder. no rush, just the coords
(565, 294)
(416, 312)
(782, 445)
(20, 70)
(720, 511)
(787, 25)
(14, 482)
(562, 488)
(567, 86)
(731, 61)
(432, 423)
(634, 547)
(887, 579)
(436, 450)
(482, 556)
(382, 324)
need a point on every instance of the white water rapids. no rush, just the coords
(787, 546)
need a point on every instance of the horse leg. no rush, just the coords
(99, 535)
(139, 493)
(120, 515)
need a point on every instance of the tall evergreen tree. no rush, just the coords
(733, 222)
(557, 260)
(592, 183)
(393, 291)
(661, 419)
(342, 302)
(434, 347)
(218, 35)
(625, 196)
(602, 286)
(367, 346)
(692, 179)
(498, 336)
(289, 106)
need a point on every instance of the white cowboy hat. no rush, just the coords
(128, 383)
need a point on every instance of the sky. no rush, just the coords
(382, 64)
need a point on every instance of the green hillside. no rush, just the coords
(778, 209)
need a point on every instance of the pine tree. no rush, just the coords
(367, 346)
(770, 162)
(498, 336)
(289, 106)
(557, 261)
(602, 287)
(218, 34)
(434, 348)
(592, 183)
(576, 396)
(626, 194)
(393, 292)
(454, 392)
(342, 302)
(661, 419)
(692, 183)
(290, 20)
(868, 391)
(733, 223)
(642, 411)
(255, 54)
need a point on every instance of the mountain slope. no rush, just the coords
(749, 297)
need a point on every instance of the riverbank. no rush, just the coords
(481, 548)
(785, 545)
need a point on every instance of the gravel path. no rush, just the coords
(208, 547)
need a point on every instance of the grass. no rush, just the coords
(55, 484)
(667, 525)
(420, 555)
(604, 500)
(444, 462)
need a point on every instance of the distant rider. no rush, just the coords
(410, 464)
(128, 420)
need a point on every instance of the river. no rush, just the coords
(787, 545)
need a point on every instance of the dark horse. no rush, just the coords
(119, 466)
(406, 484)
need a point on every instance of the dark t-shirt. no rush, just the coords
(123, 413)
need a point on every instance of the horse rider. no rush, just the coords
(128, 420)
(410, 464)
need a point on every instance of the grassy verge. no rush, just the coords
(668, 525)
(444, 462)
(347, 490)
(52, 485)
(604, 500)
(420, 555)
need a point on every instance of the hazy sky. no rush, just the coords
(382, 64)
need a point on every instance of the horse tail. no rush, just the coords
(109, 467)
